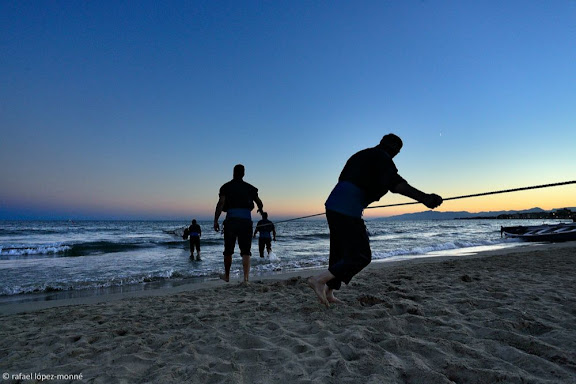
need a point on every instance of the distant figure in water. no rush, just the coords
(367, 176)
(265, 227)
(237, 199)
(194, 231)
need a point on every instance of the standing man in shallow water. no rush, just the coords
(194, 231)
(237, 199)
(267, 234)
(367, 176)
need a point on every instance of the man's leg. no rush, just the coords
(229, 245)
(269, 246)
(198, 250)
(318, 284)
(261, 246)
(245, 243)
(227, 265)
(326, 282)
(246, 267)
(349, 248)
(330, 296)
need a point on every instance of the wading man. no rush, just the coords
(237, 199)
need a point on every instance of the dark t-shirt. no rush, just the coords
(239, 195)
(367, 176)
(194, 230)
(265, 227)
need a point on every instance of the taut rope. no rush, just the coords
(451, 198)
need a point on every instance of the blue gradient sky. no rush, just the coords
(140, 109)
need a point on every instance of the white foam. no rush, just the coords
(433, 248)
(33, 250)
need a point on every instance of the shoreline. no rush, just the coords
(43, 300)
(109, 266)
(500, 316)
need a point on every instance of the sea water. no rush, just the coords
(65, 258)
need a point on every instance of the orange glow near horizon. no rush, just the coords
(281, 208)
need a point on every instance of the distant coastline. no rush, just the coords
(529, 214)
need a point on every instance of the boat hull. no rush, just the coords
(542, 233)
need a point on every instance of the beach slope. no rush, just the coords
(494, 318)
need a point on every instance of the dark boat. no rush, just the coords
(545, 232)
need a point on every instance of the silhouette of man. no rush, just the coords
(237, 199)
(267, 234)
(195, 232)
(367, 176)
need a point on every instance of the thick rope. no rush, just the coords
(451, 198)
(484, 193)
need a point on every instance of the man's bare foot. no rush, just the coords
(319, 289)
(224, 277)
(331, 298)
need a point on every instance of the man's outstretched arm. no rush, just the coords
(431, 200)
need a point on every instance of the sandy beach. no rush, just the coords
(500, 317)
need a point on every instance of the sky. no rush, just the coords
(141, 109)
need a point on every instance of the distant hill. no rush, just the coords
(433, 215)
